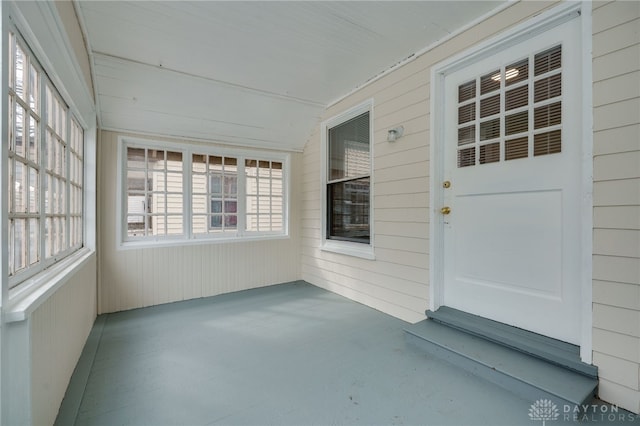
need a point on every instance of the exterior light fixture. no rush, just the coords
(395, 133)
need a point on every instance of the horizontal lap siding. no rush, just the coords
(616, 234)
(396, 282)
(151, 276)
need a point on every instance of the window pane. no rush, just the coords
(19, 131)
(349, 148)
(348, 204)
(20, 61)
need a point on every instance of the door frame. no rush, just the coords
(519, 33)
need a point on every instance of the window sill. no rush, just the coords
(179, 242)
(27, 296)
(364, 251)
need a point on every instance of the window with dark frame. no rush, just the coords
(348, 180)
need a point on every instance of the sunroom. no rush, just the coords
(466, 173)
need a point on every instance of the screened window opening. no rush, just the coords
(348, 184)
(230, 196)
(264, 200)
(154, 192)
(215, 194)
(45, 169)
(513, 112)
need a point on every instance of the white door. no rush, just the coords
(513, 160)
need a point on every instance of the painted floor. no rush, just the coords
(291, 354)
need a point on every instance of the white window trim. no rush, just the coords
(364, 251)
(188, 237)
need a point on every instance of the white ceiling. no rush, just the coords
(249, 73)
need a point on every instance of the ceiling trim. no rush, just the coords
(425, 50)
(87, 44)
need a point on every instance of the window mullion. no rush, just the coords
(67, 172)
(187, 201)
(242, 197)
(42, 166)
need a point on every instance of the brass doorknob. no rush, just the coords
(445, 210)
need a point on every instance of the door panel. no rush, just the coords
(513, 157)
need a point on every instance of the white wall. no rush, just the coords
(135, 278)
(616, 233)
(59, 330)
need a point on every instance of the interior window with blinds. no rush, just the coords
(348, 180)
(512, 112)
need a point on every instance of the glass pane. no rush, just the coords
(19, 188)
(216, 206)
(548, 60)
(490, 129)
(231, 185)
(489, 153)
(516, 123)
(547, 143)
(466, 135)
(174, 182)
(20, 58)
(34, 240)
(136, 180)
(19, 244)
(19, 131)
(230, 163)
(349, 148)
(230, 221)
(135, 158)
(33, 139)
(174, 161)
(548, 88)
(34, 183)
(174, 224)
(215, 184)
(174, 203)
(158, 225)
(490, 106)
(516, 98)
(490, 82)
(231, 206)
(252, 186)
(199, 224)
(216, 222)
(517, 72)
(33, 89)
(215, 163)
(348, 204)
(467, 91)
(516, 148)
(548, 115)
(466, 113)
(155, 159)
(199, 163)
(199, 204)
(251, 168)
(467, 157)
(199, 184)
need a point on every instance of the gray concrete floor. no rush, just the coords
(291, 354)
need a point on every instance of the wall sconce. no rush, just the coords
(395, 134)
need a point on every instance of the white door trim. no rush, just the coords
(546, 20)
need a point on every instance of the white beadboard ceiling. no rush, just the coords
(249, 73)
